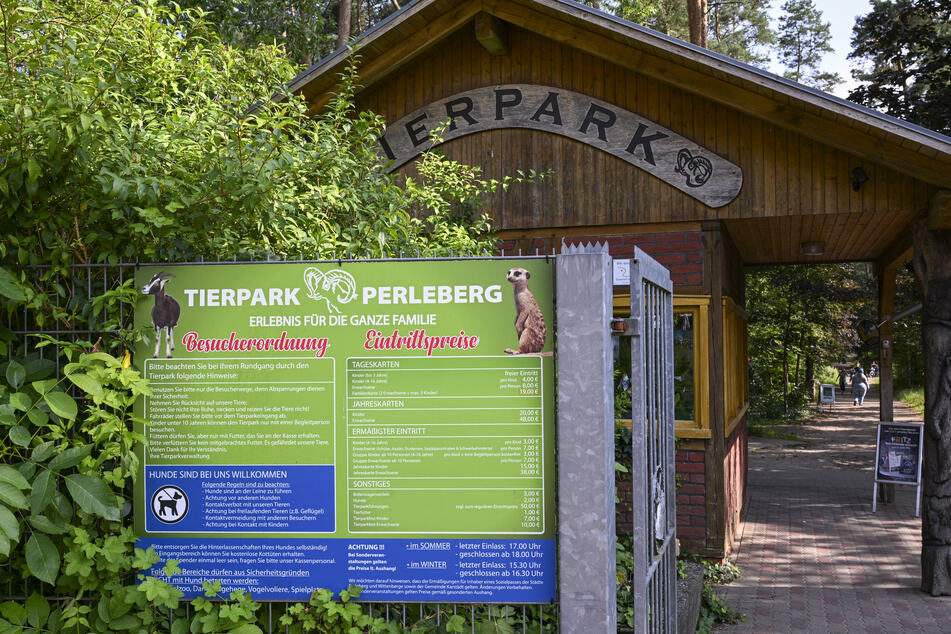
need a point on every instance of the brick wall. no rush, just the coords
(691, 499)
(734, 470)
(680, 251)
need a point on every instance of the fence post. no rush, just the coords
(587, 577)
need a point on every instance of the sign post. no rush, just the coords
(898, 453)
(826, 395)
(380, 424)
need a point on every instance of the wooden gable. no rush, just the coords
(798, 150)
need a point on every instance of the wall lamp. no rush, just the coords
(859, 178)
(812, 248)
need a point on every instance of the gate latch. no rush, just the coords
(626, 326)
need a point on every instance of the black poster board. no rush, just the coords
(898, 452)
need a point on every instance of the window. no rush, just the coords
(691, 363)
(736, 387)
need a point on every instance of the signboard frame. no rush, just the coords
(826, 395)
(535, 545)
(913, 432)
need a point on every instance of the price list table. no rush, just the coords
(450, 445)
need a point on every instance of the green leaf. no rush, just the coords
(44, 386)
(42, 558)
(87, 384)
(42, 452)
(11, 496)
(9, 525)
(70, 458)
(9, 288)
(247, 628)
(15, 374)
(13, 612)
(93, 495)
(46, 525)
(62, 404)
(130, 622)
(37, 369)
(21, 401)
(43, 487)
(4, 549)
(37, 610)
(38, 417)
(11, 476)
(20, 436)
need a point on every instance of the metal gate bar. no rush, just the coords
(652, 429)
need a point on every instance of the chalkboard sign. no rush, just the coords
(826, 394)
(898, 453)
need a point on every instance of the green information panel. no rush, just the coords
(383, 424)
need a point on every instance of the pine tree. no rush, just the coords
(803, 39)
(740, 29)
(906, 68)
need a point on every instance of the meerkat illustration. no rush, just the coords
(529, 322)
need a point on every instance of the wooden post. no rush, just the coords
(713, 459)
(933, 267)
(886, 308)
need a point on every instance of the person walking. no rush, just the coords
(859, 386)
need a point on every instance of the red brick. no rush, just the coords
(677, 236)
(696, 456)
(691, 488)
(664, 247)
(697, 477)
(622, 250)
(691, 531)
(692, 237)
(697, 499)
(684, 268)
(682, 499)
(683, 456)
(638, 238)
(692, 279)
(671, 258)
(690, 467)
(694, 256)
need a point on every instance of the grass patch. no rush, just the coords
(766, 431)
(913, 398)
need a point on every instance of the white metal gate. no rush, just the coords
(652, 429)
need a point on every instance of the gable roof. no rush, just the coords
(408, 33)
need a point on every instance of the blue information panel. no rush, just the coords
(385, 425)
(491, 570)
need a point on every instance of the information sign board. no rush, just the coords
(382, 424)
(898, 453)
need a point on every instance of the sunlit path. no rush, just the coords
(814, 558)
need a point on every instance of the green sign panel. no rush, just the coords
(385, 424)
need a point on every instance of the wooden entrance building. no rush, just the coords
(705, 163)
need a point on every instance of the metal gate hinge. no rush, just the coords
(626, 327)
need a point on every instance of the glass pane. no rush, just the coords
(684, 366)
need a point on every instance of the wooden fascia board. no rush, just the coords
(894, 153)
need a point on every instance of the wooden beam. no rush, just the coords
(491, 34)
(897, 254)
(939, 214)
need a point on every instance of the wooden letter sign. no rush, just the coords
(693, 169)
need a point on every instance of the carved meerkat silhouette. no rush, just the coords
(529, 322)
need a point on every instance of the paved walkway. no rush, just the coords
(813, 556)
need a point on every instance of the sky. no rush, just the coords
(841, 15)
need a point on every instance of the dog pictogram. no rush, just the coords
(169, 504)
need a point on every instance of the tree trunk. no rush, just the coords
(343, 22)
(697, 18)
(810, 380)
(933, 267)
